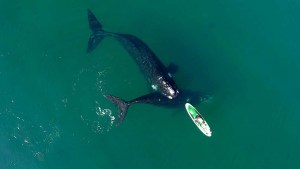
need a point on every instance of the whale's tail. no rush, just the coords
(98, 33)
(122, 107)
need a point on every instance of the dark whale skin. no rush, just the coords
(152, 68)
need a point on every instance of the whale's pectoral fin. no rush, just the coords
(172, 68)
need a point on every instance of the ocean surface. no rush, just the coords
(244, 54)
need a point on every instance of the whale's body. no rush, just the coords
(152, 68)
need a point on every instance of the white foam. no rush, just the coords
(103, 122)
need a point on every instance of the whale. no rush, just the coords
(154, 71)
(152, 68)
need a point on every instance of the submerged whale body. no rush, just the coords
(152, 68)
(156, 98)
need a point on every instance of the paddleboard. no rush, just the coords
(198, 119)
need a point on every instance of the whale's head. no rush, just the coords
(167, 87)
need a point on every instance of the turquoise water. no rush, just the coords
(53, 113)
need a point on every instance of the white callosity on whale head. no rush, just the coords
(172, 92)
(154, 87)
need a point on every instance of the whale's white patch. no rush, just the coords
(171, 90)
(154, 87)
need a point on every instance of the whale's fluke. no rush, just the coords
(98, 33)
(122, 107)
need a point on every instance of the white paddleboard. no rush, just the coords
(198, 119)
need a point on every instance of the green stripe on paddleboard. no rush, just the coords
(193, 111)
